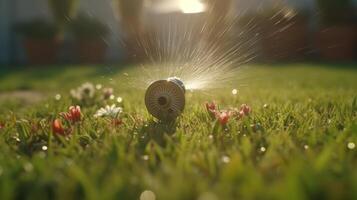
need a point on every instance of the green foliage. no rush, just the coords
(85, 27)
(37, 29)
(336, 11)
(303, 115)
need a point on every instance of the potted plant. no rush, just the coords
(89, 34)
(40, 41)
(336, 38)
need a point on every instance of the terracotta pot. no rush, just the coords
(91, 51)
(285, 40)
(337, 42)
(41, 51)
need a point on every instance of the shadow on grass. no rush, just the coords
(156, 132)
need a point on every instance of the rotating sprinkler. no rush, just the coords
(165, 99)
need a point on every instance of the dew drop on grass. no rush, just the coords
(351, 145)
(58, 97)
(17, 139)
(226, 159)
(98, 86)
(147, 195)
(262, 149)
(145, 157)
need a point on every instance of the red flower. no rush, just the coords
(57, 127)
(73, 115)
(211, 106)
(211, 109)
(245, 109)
(223, 117)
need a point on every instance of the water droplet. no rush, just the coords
(351, 145)
(226, 159)
(17, 139)
(234, 91)
(262, 149)
(58, 97)
(145, 157)
(98, 86)
(147, 195)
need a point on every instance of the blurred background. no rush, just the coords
(44, 32)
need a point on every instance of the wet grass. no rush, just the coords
(293, 146)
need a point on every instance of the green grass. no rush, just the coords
(307, 105)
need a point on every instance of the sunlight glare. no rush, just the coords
(192, 6)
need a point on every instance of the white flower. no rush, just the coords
(85, 91)
(109, 111)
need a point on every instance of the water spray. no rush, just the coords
(165, 99)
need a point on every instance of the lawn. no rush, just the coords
(298, 142)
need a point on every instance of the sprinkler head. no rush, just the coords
(165, 99)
